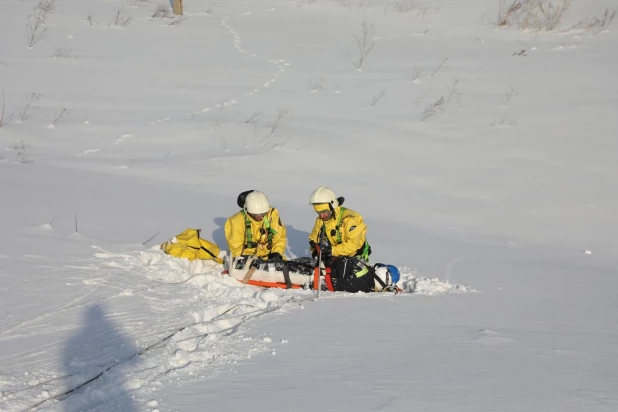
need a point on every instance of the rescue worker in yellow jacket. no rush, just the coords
(256, 230)
(344, 229)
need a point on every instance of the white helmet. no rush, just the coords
(388, 273)
(257, 203)
(324, 194)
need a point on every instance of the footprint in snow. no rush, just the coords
(560, 48)
(123, 137)
(88, 151)
(165, 119)
(489, 337)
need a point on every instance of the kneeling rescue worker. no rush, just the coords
(256, 230)
(344, 229)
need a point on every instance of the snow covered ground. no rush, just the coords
(483, 159)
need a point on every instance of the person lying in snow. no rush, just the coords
(256, 230)
(344, 229)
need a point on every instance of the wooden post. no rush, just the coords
(178, 7)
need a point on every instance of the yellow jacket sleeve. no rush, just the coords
(235, 234)
(280, 239)
(353, 234)
(315, 232)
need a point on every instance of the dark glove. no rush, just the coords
(327, 249)
(275, 256)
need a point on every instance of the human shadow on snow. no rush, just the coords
(94, 360)
(298, 241)
(218, 235)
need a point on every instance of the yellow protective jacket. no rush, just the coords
(352, 232)
(267, 236)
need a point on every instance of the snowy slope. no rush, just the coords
(482, 158)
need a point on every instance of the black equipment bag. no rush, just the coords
(350, 274)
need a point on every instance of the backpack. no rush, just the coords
(190, 246)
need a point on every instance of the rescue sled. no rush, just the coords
(291, 274)
(344, 275)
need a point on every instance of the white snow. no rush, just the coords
(486, 170)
